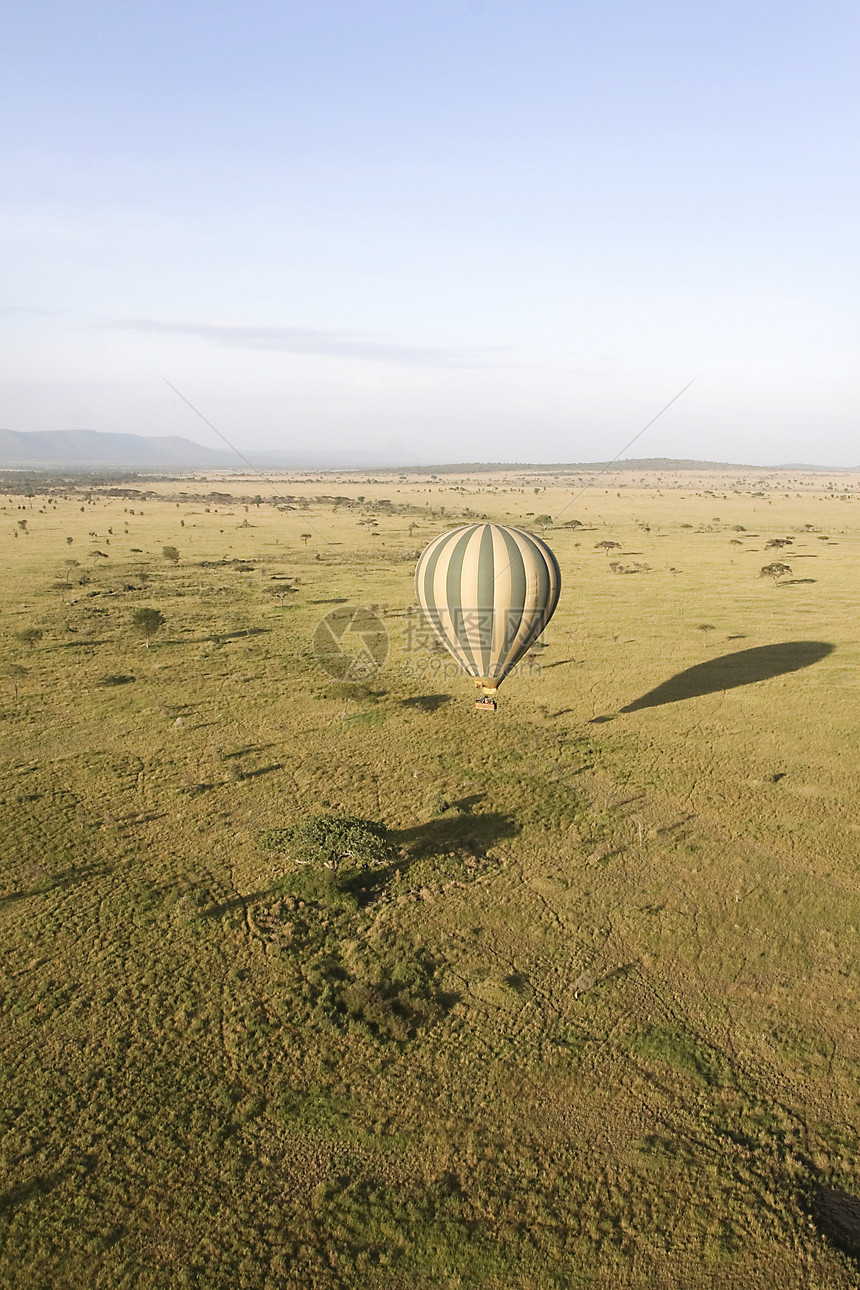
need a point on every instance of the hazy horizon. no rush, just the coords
(352, 458)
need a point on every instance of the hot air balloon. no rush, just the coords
(488, 591)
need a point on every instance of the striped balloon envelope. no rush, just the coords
(488, 591)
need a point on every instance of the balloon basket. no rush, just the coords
(486, 704)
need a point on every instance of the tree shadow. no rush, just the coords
(89, 640)
(220, 908)
(38, 1186)
(263, 770)
(796, 582)
(238, 635)
(245, 749)
(427, 702)
(466, 803)
(472, 833)
(59, 882)
(837, 1214)
(744, 667)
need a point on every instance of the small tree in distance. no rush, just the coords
(16, 673)
(607, 546)
(146, 622)
(170, 553)
(30, 636)
(775, 571)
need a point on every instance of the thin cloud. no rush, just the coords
(8, 310)
(306, 340)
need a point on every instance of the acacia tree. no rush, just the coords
(607, 546)
(330, 841)
(170, 553)
(30, 636)
(146, 622)
(775, 571)
(16, 673)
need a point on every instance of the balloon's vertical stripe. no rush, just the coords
(525, 634)
(455, 558)
(507, 576)
(425, 576)
(514, 607)
(485, 601)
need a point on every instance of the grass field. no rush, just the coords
(596, 1025)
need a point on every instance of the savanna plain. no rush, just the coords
(592, 1023)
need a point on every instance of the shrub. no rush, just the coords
(146, 622)
(30, 636)
(329, 841)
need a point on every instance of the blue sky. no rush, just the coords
(463, 231)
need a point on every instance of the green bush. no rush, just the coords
(329, 841)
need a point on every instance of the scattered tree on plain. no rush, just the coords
(30, 636)
(170, 553)
(775, 571)
(16, 673)
(330, 841)
(146, 622)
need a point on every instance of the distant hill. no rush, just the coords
(94, 450)
(97, 450)
(647, 464)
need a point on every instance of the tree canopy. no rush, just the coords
(146, 622)
(329, 841)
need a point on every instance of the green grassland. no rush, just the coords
(595, 1025)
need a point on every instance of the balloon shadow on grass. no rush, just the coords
(745, 667)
